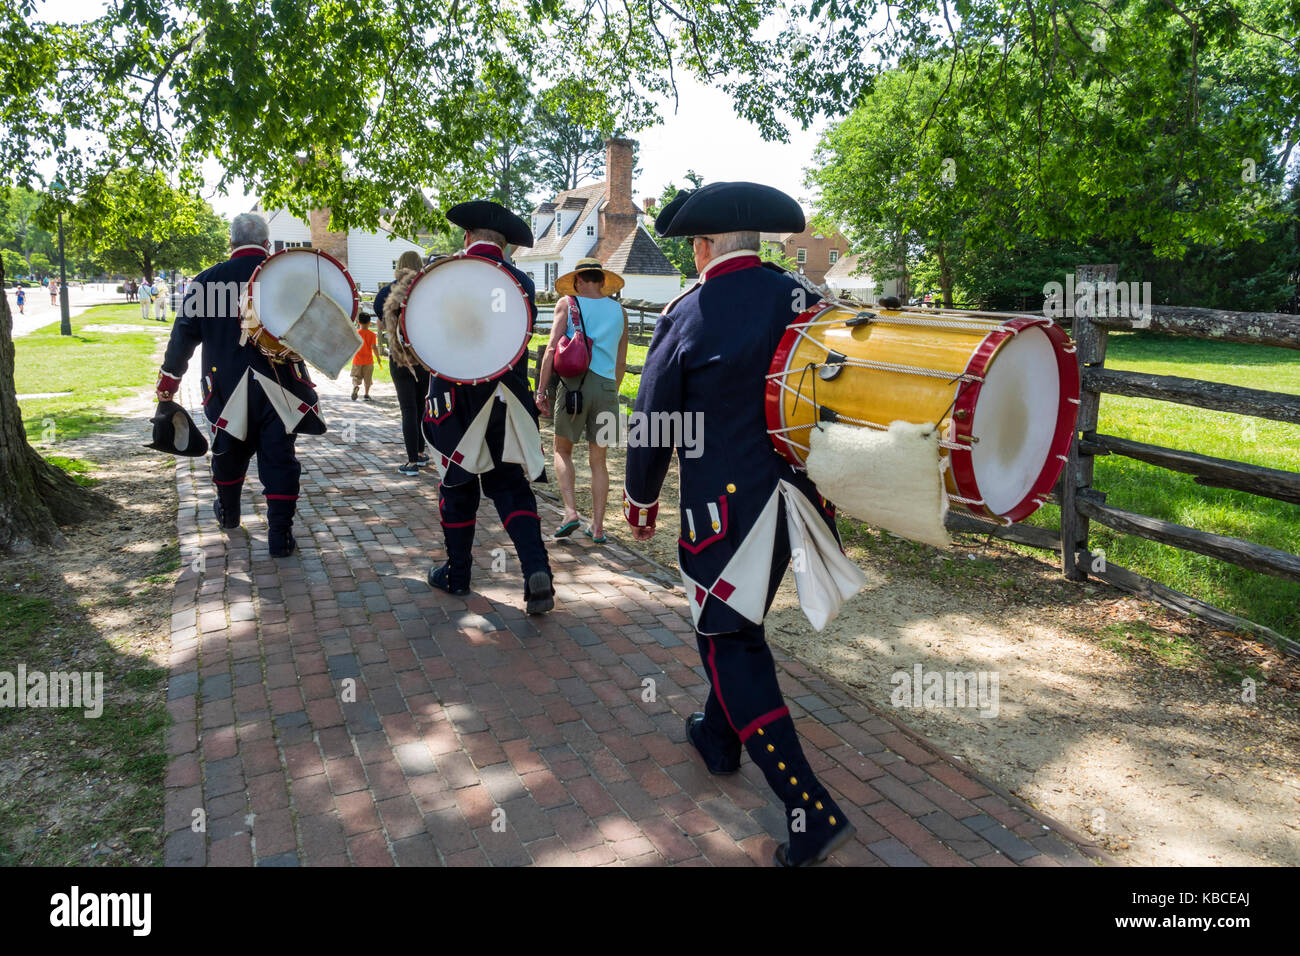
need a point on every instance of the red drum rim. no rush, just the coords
(963, 467)
(356, 294)
(523, 346)
(774, 400)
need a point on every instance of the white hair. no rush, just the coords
(733, 242)
(486, 235)
(248, 229)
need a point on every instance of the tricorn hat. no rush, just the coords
(567, 284)
(174, 432)
(674, 206)
(733, 207)
(485, 214)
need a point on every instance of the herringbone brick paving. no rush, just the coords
(331, 709)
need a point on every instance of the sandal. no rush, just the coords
(598, 540)
(566, 529)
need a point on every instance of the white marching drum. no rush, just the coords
(467, 319)
(301, 304)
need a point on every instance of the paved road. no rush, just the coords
(38, 312)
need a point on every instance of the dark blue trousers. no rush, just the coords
(277, 464)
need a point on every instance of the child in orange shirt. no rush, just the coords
(363, 363)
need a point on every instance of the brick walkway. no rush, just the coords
(479, 735)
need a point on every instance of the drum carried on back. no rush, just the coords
(300, 306)
(466, 318)
(895, 414)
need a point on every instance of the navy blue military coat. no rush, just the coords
(451, 407)
(709, 359)
(209, 316)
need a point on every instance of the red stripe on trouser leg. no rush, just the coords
(236, 481)
(763, 721)
(515, 514)
(281, 497)
(713, 672)
(453, 524)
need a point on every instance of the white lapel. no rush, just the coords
(523, 444)
(287, 405)
(743, 583)
(824, 576)
(234, 414)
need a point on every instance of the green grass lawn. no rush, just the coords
(1143, 488)
(97, 368)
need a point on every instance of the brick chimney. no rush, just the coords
(325, 239)
(620, 215)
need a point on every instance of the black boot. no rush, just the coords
(226, 505)
(720, 757)
(453, 576)
(539, 592)
(279, 520)
(815, 823)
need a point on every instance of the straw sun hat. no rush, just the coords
(564, 285)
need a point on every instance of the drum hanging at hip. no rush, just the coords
(301, 305)
(1002, 394)
(466, 318)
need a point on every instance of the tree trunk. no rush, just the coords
(945, 277)
(35, 497)
(148, 267)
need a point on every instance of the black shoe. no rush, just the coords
(421, 459)
(221, 515)
(438, 578)
(368, 398)
(837, 839)
(539, 595)
(281, 543)
(719, 765)
(409, 469)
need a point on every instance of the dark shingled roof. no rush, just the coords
(546, 242)
(639, 255)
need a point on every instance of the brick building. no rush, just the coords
(814, 252)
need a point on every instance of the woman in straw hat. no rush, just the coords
(586, 290)
(410, 378)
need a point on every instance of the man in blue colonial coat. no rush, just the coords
(256, 406)
(475, 446)
(742, 505)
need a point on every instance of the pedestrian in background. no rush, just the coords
(410, 377)
(22, 298)
(160, 301)
(586, 404)
(363, 363)
(145, 292)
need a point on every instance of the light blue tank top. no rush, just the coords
(602, 319)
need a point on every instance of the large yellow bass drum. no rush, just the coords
(1003, 394)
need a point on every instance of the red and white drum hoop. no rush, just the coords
(467, 319)
(281, 287)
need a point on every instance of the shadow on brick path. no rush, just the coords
(332, 709)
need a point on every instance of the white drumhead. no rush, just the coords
(1015, 419)
(466, 319)
(285, 283)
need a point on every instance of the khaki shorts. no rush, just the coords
(599, 410)
(363, 373)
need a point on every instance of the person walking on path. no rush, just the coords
(587, 404)
(54, 292)
(745, 510)
(410, 378)
(146, 299)
(160, 301)
(363, 363)
(22, 299)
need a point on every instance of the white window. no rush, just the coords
(835, 256)
(801, 257)
(297, 245)
(558, 222)
(591, 230)
(394, 265)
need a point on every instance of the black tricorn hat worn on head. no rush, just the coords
(674, 206)
(485, 214)
(734, 207)
(174, 432)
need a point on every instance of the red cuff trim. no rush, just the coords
(237, 481)
(639, 516)
(281, 497)
(168, 383)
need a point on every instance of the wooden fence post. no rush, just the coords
(1090, 342)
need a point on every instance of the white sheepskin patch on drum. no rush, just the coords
(890, 480)
(323, 335)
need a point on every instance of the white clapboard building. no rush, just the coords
(601, 221)
(371, 257)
